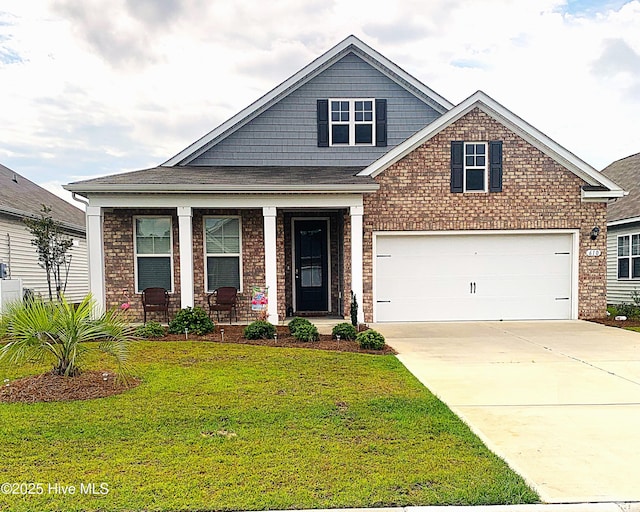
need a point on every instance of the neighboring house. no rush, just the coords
(623, 232)
(354, 176)
(20, 199)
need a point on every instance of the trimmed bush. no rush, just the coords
(306, 332)
(345, 330)
(195, 320)
(259, 330)
(370, 339)
(150, 330)
(297, 322)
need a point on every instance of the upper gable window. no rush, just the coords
(476, 166)
(352, 122)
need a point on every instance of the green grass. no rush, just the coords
(236, 427)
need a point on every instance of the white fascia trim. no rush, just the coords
(622, 222)
(302, 201)
(310, 71)
(601, 196)
(219, 189)
(491, 107)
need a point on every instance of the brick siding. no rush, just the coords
(119, 258)
(538, 193)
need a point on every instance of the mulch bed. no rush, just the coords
(55, 388)
(234, 334)
(612, 322)
(88, 385)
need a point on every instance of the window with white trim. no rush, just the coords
(629, 256)
(153, 250)
(352, 122)
(223, 252)
(475, 166)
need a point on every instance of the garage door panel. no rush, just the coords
(473, 277)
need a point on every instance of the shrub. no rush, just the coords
(307, 332)
(297, 322)
(59, 331)
(370, 339)
(260, 329)
(194, 320)
(150, 330)
(628, 310)
(345, 330)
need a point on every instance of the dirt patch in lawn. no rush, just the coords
(235, 334)
(48, 387)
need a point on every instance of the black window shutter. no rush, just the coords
(495, 166)
(457, 169)
(323, 123)
(381, 123)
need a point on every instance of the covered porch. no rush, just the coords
(305, 248)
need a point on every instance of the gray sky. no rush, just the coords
(94, 87)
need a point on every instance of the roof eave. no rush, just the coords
(221, 189)
(20, 214)
(601, 195)
(621, 222)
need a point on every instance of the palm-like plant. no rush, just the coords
(38, 330)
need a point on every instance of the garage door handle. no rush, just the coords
(472, 287)
(379, 301)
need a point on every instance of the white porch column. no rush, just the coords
(96, 257)
(186, 256)
(271, 261)
(357, 285)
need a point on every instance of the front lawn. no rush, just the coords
(233, 427)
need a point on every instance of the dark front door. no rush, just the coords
(311, 267)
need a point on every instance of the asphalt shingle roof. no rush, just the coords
(626, 173)
(227, 178)
(19, 196)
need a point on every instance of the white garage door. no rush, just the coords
(473, 277)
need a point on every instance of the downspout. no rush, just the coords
(9, 255)
(80, 199)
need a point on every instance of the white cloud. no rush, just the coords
(102, 86)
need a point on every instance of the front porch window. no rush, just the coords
(222, 252)
(153, 251)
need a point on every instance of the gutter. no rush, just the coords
(179, 188)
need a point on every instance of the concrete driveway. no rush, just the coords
(559, 401)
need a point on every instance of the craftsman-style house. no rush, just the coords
(353, 176)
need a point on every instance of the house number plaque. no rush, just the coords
(594, 252)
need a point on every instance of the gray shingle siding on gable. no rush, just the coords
(285, 134)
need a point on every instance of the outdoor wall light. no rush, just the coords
(594, 233)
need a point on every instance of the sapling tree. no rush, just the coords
(52, 246)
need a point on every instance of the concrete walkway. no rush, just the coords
(559, 401)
